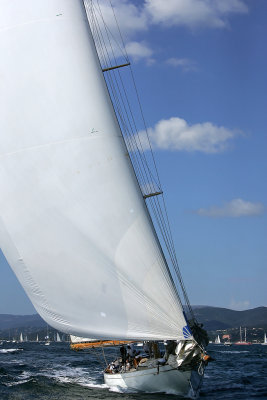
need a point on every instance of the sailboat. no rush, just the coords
(47, 341)
(58, 338)
(264, 340)
(241, 341)
(217, 340)
(47, 338)
(21, 338)
(75, 224)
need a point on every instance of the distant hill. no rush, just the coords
(9, 321)
(215, 318)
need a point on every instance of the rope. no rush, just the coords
(104, 356)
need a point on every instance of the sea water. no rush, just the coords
(30, 371)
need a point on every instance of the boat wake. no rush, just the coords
(74, 375)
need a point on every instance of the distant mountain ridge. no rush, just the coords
(10, 321)
(213, 318)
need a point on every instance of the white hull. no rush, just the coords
(165, 379)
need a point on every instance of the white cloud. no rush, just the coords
(138, 50)
(193, 13)
(134, 18)
(190, 13)
(184, 63)
(131, 18)
(239, 305)
(176, 134)
(234, 209)
(150, 187)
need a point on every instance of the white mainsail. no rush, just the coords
(73, 223)
(217, 340)
(264, 340)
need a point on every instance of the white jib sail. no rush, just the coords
(74, 226)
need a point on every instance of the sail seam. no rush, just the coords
(80, 138)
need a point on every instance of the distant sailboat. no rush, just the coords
(58, 338)
(37, 338)
(243, 342)
(47, 338)
(76, 226)
(264, 340)
(217, 340)
(47, 341)
(21, 338)
(227, 342)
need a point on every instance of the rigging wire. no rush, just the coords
(133, 138)
(120, 108)
(146, 179)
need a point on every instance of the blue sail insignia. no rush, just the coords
(187, 332)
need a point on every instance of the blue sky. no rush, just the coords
(200, 67)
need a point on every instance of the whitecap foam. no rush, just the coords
(83, 380)
(5, 351)
(18, 382)
(74, 375)
(24, 375)
(92, 384)
(233, 351)
(118, 389)
(12, 362)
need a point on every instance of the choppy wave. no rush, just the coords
(66, 375)
(6, 351)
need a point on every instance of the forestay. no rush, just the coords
(74, 225)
